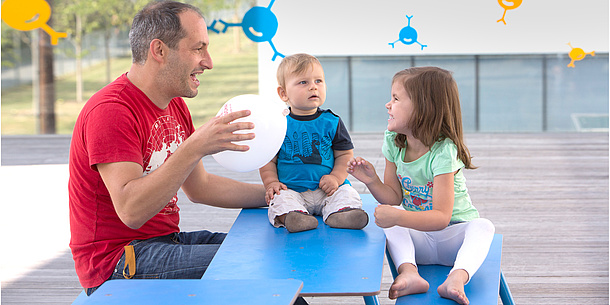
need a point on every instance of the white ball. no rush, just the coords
(269, 118)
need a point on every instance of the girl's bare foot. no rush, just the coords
(453, 287)
(408, 282)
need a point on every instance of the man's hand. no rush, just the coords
(219, 133)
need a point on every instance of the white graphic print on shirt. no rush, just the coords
(165, 137)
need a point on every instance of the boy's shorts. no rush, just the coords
(313, 202)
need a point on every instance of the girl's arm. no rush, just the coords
(389, 192)
(438, 218)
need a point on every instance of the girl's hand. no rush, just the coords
(272, 189)
(362, 170)
(386, 216)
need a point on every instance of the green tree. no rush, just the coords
(79, 18)
(73, 18)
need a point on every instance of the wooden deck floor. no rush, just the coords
(546, 193)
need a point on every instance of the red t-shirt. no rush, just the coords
(118, 123)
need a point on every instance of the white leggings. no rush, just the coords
(463, 246)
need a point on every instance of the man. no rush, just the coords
(134, 146)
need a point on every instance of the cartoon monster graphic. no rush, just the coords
(29, 15)
(577, 54)
(408, 35)
(508, 5)
(259, 24)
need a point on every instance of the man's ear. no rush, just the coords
(158, 50)
(282, 93)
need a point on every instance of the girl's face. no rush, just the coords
(400, 109)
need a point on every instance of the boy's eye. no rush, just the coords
(302, 82)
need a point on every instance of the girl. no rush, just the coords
(425, 157)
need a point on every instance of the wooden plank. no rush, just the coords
(547, 193)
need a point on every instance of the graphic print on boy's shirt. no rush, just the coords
(165, 136)
(306, 148)
(416, 197)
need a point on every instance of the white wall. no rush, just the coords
(447, 27)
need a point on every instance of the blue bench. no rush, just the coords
(483, 288)
(330, 262)
(185, 292)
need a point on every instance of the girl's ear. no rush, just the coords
(282, 93)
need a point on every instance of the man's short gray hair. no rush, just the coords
(158, 20)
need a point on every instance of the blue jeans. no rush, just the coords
(184, 255)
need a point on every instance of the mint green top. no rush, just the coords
(417, 177)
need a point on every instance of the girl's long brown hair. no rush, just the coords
(437, 114)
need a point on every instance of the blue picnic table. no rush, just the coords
(329, 261)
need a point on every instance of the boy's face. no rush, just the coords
(304, 92)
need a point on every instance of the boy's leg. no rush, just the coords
(344, 209)
(288, 209)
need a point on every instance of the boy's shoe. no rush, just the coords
(348, 219)
(298, 221)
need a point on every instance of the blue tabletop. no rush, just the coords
(329, 261)
(185, 292)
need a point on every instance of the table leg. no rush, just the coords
(371, 300)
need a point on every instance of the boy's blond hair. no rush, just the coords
(294, 64)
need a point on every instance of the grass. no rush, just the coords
(234, 73)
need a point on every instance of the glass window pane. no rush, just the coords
(337, 86)
(510, 93)
(372, 82)
(577, 95)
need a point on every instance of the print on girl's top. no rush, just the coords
(416, 197)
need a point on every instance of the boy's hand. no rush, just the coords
(329, 184)
(272, 189)
(361, 170)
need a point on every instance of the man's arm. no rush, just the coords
(138, 198)
(210, 189)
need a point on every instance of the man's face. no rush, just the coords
(189, 59)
